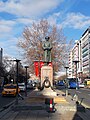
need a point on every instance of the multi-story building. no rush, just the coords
(73, 56)
(81, 53)
(85, 46)
(1, 55)
(70, 65)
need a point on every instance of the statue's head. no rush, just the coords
(47, 38)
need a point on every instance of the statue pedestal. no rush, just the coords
(47, 71)
(48, 92)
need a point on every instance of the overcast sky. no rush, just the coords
(73, 16)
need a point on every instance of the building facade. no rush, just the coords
(70, 65)
(1, 55)
(74, 56)
(80, 53)
(85, 46)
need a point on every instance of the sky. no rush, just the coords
(73, 16)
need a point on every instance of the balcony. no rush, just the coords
(84, 50)
(85, 55)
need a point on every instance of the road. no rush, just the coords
(8, 99)
(5, 100)
(83, 94)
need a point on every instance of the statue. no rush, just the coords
(47, 50)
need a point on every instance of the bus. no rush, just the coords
(72, 83)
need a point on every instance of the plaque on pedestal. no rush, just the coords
(47, 72)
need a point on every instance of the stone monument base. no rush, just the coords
(48, 92)
(47, 71)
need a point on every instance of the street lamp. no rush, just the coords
(76, 61)
(26, 81)
(17, 61)
(66, 82)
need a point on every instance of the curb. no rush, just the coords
(81, 103)
(84, 104)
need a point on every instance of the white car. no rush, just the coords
(22, 86)
(30, 86)
(81, 85)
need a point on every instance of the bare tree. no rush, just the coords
(2, 70)
(31, 44)
(10, 69)
(62, 77)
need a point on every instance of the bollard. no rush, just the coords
(49, 105)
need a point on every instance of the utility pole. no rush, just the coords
(26, 82)
(17, 61)
(76, 61)
(66, 81)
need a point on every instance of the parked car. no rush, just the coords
(61, 83)
(30, 84)
(22, 86)
(9, 89)
(87, 83)
(81, 85)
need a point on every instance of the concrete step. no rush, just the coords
(25, 107)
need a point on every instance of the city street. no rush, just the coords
(39, 115)
(5, 100)
(31, 110)
(83, 94)
(8, 99)
(44, 60)
(22, 111)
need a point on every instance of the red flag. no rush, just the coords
(50, 64)
(41, 64)
(36, 65)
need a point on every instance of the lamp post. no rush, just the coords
(76, 61)
(17, 61)
(66, 82)
(26, 81)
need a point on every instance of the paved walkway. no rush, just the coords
(33, 108)
(38, 115)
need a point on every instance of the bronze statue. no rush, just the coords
(47, 50)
